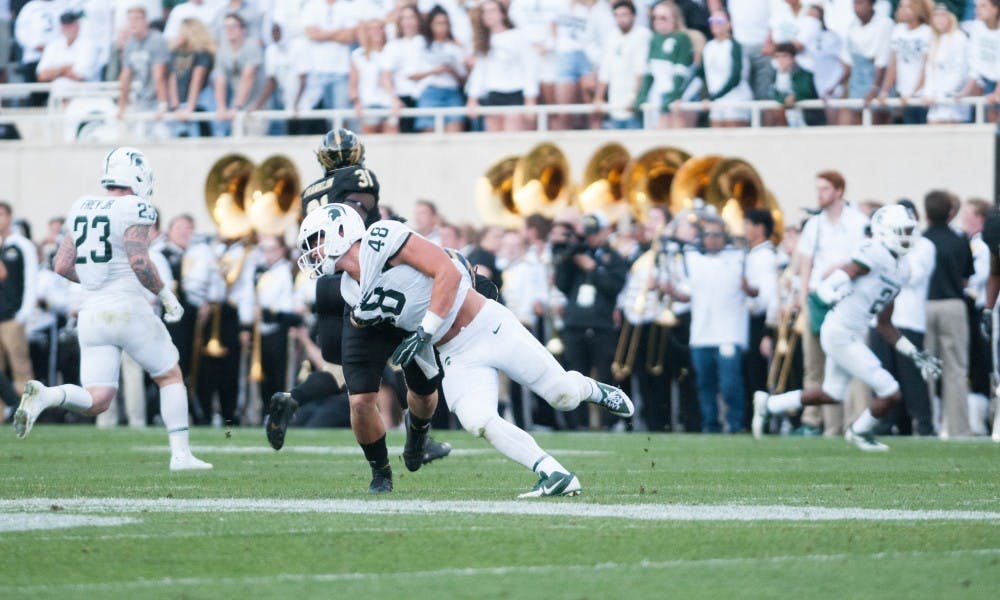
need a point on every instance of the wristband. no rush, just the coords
(905, 347)
(431, 323)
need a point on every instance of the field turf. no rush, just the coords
(88, 513)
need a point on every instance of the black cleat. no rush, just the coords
(381, 480)
(279, 414)
(434, 450)
(416, 444)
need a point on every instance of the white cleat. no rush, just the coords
(31, 406)
(188, 462)
(865, 441)
(760, 414)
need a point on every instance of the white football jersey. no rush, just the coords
(397, 295)
(870, 293)
(98, 225)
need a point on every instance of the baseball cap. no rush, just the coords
(594, 223)
(70, 16)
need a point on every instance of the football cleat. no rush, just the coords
(434, 450)
(556, 484)
(188, 462)
(760, 414)
(279, 414)
(30, 407)
(381, 480)
(416, 444)
(865, 441)
(614, 400)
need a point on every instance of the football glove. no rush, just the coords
(411, 346)
(172, 309)
(986, 323)
(930, 366)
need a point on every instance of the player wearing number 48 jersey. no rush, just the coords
(107, 252)
(394, 276)
(859, 291)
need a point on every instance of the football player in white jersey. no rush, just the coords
(394, 275)
(107, 252)
(860, 290)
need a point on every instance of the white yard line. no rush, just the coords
(342, 450)
(558, 508)
(494, 571)
(33, 521)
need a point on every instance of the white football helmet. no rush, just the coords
(325, 235)
(128, 168)
(895, 228)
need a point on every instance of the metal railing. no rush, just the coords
(54, 117)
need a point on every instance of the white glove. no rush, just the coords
(172, 309)
(835, 287)
(930, 366)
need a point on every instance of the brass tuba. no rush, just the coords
(541, 182)
(495, 194)
(648, 179)
(730, 185)
(272, 196)
(602, 182)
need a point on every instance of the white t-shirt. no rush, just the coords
(750, 20)
(984, 51)
(583, 28)
(510, 66)
(947, 66)
(284, 62)
(718, 305)
(871, 40)
(36, 25)
(369, 69)
(81, 55)
(443, 53)
(823, 58)
(328, 56)
(717, 58)
(403, 57)
(535, 19)
(910, 309)
(910, 46)
(623, 64)
(461, 25)
(830, 244)
(204, 12)
(762, 273)
(97, 26)
(981, 261)
(839, 14)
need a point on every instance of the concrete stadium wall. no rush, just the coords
(880, 163)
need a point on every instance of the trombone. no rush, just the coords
(791, 326)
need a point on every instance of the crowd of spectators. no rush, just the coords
(579, 283)
(241, 56)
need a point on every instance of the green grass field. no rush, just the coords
(660, 517)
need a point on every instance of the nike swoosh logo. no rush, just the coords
(497, 329)
(549, 490)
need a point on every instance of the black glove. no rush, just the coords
(986, 323)
(411, 346)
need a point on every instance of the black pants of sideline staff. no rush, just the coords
(913, 414)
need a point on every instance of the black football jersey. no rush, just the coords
(336, 185)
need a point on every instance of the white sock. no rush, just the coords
(71, 397)
(547, 465)
(174, 412)
(780, 403)
(516, 444)
(865, 423)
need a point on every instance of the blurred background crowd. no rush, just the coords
(627, 63)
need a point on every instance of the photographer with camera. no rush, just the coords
(591, 274)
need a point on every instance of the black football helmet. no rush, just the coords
(340, 148)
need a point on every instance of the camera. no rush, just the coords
(566, 242)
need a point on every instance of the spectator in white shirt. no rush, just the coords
(867, 51)
(284, 77)
(504, 72)
(750, 19)
(974, 215)
(443, 73)
(984, 56)
(365, 80)
(458, 17)
(822, 56)
(622, 68)
(946, 72)
(37, 25)
(404, 57)
(760, 284)
(719, 325)
(911, 39)
(724, 69)
(331, 28)
(580, 26)
(536, 20)
(70, 58)
(202, 10)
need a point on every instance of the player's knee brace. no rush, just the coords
(564, 392)
(474, 418)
